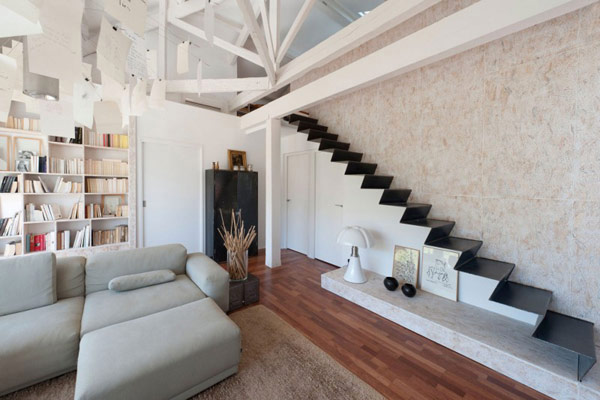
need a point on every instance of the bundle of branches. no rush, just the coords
(237, 240)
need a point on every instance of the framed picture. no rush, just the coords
(406, 265)
(111, 203)
(23, 149)
(5, 142)
(237, 158)
(438, 275)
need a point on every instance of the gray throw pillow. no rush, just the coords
(136, 281)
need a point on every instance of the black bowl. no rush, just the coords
(390, 283)
(409, 290)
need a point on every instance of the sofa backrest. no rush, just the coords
(70, 277)
(100, 268)
(27, 282)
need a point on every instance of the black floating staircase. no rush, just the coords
(573, 334)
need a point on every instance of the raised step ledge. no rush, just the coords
(498, 342)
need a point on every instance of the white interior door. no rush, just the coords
(298, 188)
(329, 211)
(173, 195)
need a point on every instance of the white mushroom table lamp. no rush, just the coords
(356, 237)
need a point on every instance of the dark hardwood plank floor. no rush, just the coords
(395, 361)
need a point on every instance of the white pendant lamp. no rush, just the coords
(35, 85)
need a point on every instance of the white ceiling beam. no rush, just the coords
(217, 85)
(267, 30)
(225, 45)
(189, 7)
(243, 37)
(274, 23)
(257, 37)
(473, 26)
(294, 29)
(384, 17)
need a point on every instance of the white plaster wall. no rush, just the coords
(215, 132)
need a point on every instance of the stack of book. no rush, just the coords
(111, 236)
(26, 124)
(38, 186)
(98, 185)
(61, 166)
(11, 226)
(78, 139)
(106, 167)
(122, 211)
(47, 212)
(43, 242)
(108, 140)
(13, 249)
(63, 240)
(38, 164)
(82, 238)
(77, 211)
(62, 186)
(9, 184)
(93, 211)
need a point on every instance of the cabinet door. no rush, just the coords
(329, 210)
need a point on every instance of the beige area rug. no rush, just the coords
(278, 362)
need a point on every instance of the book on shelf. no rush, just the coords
(9, 184)
(25, 124)
(13, 249)
(106, 167)
(93, 211)
(77, 211)
(40, 242)
(47, 212)
(11, 226)
(107, 140)
(63, 240)
(82, 238)
(62, 186)
(122, 211)
(38, 164)
(106, 185)
(111, 236)
(78, 139)
(70, 166)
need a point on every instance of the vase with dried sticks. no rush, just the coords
(237, 240)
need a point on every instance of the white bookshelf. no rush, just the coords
(10, 203)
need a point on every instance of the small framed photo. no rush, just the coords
(237, 158)
(438, 275)
(23, 150)
(5, 151)
(406, 265)
(111, 203)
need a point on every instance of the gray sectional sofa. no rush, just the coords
(159, 341)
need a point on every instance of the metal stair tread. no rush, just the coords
(571, 333)
(428, 222)
(523, 297)
(294, 119)
(372, 181)
(314, 135)
(488, 268)
(306, 126)
(394, 196)
(344, 156)
(456, 243)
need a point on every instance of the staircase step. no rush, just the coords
(414, 211)
(523, 297)
(468, 248)
(294, 119)
(345, 156)
(394, 196)
(570, 333)
(360, 168)
(491, 269)
(326, 144)
(306, 126)
(439, 228)
(377, 182)
(314, 135)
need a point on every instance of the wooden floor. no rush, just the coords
(395, 361)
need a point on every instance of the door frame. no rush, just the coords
(311, 199)
(140, 184)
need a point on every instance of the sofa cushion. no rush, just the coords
(27, 282)
(102, 267)
(172, 354)
(70, 277)
(143, 279)
(38, 344)
(106, 307)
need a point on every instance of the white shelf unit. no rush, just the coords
(11, 203)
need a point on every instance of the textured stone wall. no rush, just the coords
(504, 139)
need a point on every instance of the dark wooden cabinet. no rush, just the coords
(226, 191)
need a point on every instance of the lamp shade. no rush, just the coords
(38, 86)
(354, 236)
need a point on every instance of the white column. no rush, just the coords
(273, 191)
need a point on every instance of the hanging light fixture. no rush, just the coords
(35, 85)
